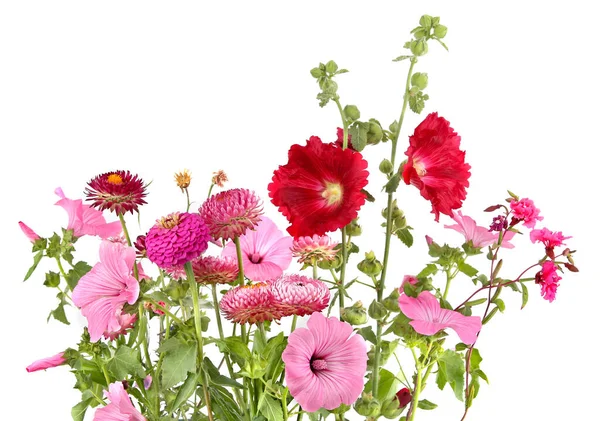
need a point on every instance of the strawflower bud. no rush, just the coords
(183, 179)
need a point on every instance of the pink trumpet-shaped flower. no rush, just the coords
(84, 220)
(120, 407)
(29, 233)
(102, 292)
(45, 363)
(266, 251)
(325, 364)
(479, 236)
(428, 317)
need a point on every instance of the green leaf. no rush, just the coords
(400, 58)
(36, 260)
(185, 391)
(451, 363)
(500, 303)
(180, 359)
(75, 274)
(236, 348)
(272, 353)
(440, 379)
(425, 404)
(475, 359)
(52, 280)
(490, 315)
(368, 334)
(405, 236)
(358, 137)
(223, 404)
(388, 385)
(525, 296)
(392, 184)
(216, 377)
(78, 411)
(125, 362)
(467, 269)
(416, 102)
(59, 313)
(270, 408)
(369, 196)
(476, 302)
(430, 269)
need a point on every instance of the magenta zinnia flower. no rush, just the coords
(524, 210)
(265, 251)
(45, 363)
(317, 248)
(428, 317)
(177, 239)
(102, 292)
(299, 295)
(478, 236)
(215, 270)
(84, 220)
(120, 407)
(231, 213)
(325, 364)
(436, 165)
(250, 304)
(548, 280)
(118, 191)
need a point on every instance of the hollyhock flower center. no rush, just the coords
(318, 365)
(419, 167)
(255, 257)
(333, 193)
(169, 221)
(115, 179)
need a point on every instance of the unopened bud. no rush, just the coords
(440, 31)
(353, 228)
(351, 112)
(386, 166)
(355, 315)
(419, 47)
(391, 409)
(330, 87)
(377, 310)
(400, 222)
(425, 21)
(419, 80)
(335, 263)
(391, 301)
(375, 133)
(367, 406)
(370, 265)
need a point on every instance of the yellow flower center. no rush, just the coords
(419, 168)
(333, 193)
(169, 221)
(115, 179)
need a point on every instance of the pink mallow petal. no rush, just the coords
(45, 363)
(29, 233)
(120, 407)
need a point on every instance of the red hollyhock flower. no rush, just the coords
(319, 189)
(436, 165)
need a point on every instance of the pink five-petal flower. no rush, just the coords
(45, 363)
(479, 236)
(120, 407)
(325, 363)
(428, 318)
(102, 292)
(266, 251)
(84, 220)
(29, 233)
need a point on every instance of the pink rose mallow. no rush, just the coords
(120, 407)
(478, 236)
(524, 210)
(548, 279)
(102, 292)
(29, 233)
(45, 363)
(325, 364)
(126, 322)
(428, 317)
(299, 295)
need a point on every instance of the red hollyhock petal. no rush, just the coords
(436, 165)
(298, 186)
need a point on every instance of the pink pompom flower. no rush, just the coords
(548, 280)
(317, 248)
(549, 238)
(325, 364)
(215, 270)
(120, 407)
(265, 251)
(299, 295)
(428, 317)
(45, 363)
(524, 210)
(252, 303)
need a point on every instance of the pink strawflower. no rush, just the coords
(215, 270)
(265, 251)
(102, 292)
(548, 280)
(325, 364)
(549, 238)
(177, 239)
(84, 220)
(45, 363)
(299, 295)
(428, 317)
(118, 191)
(120, 407)
(231, 213)
(524, 210)
(176, 272)
(126, 322)
(29, 233)
(317, 248)
(250, 304)
(478, 236)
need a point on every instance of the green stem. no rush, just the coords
(142, 336)
(187, 196)
(126, 233)
(448, 281)
(165, 310)
(238, 250)
(342, 271)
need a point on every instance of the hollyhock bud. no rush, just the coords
(391, 301)
(370, 265)
(400, 222)
(351, 112)
(419, 47)
(377, 310)
(330, 87)
(367, 406)
(391, 409)
(439, 31)
(386, 166)
(404, 397)
(375, 133)
(353, 229)
(331, 264)
(426, 21)
(419, 80)
(355, 315)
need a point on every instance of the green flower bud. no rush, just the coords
(316, 73)
(355, 315)
(176, 290)
(353, 228)
(331, 264)
(370, 265)
(396, 212)
(255, 368)
(425, 21)
(367, 406)
(331, 66)
(400, 222)
(391, 301)
(390, 409)
(421, 33)
(386, 166)
(440, 31)
(419, 80)
(351, 112)
(375, 133)
(419, 47)
(377, 310)
(329, 87)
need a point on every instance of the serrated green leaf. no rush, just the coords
(427, 405)
(368, 334)
(440, 379)
(59, 314)
(467, 269)
(525, 295)
(358, 137)
(125, 362)
(36, 260)
(453, 367)
(235, 346)
(392, 185)
(216, 377)
(270, 408)
(180, 359)
(405, 236)
(430, 269)
(223, 404)
(75, 274)
(78, 411)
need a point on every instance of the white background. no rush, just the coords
(89, 87)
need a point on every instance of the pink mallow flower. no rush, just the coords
(265, 251)
(478, 236)
(45, 363)
(325, 364)
(548, 280)
(126, 322)
(524, 210)
(428, 317)
(102, 292)
(84, 220)
(120, 407)
(29, 233)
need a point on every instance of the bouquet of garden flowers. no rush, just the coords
(199, 316)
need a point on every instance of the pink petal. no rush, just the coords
(263, 271)
(45, 363)
(29, 233)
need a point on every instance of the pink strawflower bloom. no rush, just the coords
(177, 239)
(428, 317)
(325, 364)
(250, 304)
(45, 363)
(120, 407)
(299, 295)
(548, 280)
(84, 220)
(524, 210)
(29, 233)
(265, 251)
(231, 213)
(478, 236)
(126, 322)
(102, 292)
(118, 191)
(215, 270)
(317, 248)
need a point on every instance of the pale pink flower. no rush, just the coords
(325, 364)
(250, 304)
(548, 280)
(299, 295)
(524, 210)
(265, 251)
(29, 233)
(428, 317)
(215, 270)
(120, 407)
(317, 248)
(45, 363)
(478, 236)
(102, 292)
(85, 220)
(126, 322)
